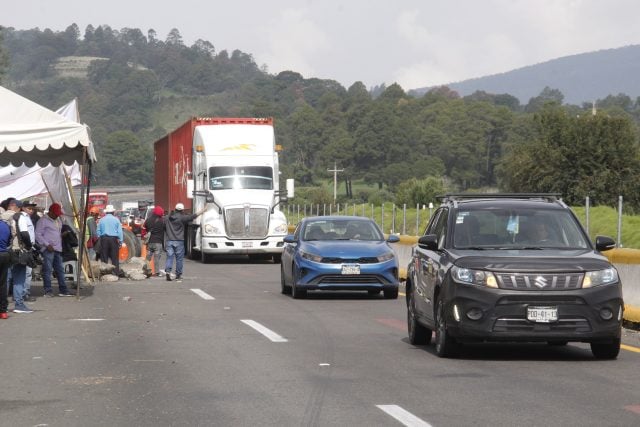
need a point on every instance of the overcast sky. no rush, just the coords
(415, 43)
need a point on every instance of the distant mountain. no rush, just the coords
(581, 78)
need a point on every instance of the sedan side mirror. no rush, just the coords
(604, 243)
(429, 242)
(393, 238)
(289, 238)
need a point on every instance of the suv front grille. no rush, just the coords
(246, 223)
(539, 282)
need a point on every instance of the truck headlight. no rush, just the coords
(469, 276)
(211, 229)
(281, 228)
(608, 276)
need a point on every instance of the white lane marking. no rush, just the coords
(404, 417)
(87, 320)
(264, 331)
(202, 294)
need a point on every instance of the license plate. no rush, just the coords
(542, 314)
(351, 269)
(247, 244)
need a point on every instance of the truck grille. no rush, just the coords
(246, 222)
(539, 282)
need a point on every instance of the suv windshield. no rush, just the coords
(520, 228)
(240, 177)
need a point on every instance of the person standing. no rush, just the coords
(111, 236)
(92, 231)
(5, 263)
(174, 230)
(49, 237)
(154, 225)
(30, 209)
(26, 237)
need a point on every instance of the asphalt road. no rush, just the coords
(225, 348)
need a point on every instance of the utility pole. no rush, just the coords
(335, 171)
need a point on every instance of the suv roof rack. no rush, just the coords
(456, 197)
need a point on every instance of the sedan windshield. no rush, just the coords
(517, 229)
(342, 229)
(241, 177)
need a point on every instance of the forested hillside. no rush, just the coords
(133, 88)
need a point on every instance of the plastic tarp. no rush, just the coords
(32, 134)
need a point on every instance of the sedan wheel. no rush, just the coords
(446, 345)
(296, 292)
(286, 290)
(418, 334)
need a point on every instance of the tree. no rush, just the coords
(123, 160)
(547, 96)
(577, 156)
(4, 59)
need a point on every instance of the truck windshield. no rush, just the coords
(240, 177)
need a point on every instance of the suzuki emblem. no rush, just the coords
(540, 282)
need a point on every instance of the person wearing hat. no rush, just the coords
(49, 237)
(30, 209)
(92, 232)
(154, 226)
(7, 234)
(111, 236)
(174, 231)
(25, 234)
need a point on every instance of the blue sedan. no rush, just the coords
(339, 253)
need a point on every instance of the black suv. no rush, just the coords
(512, 267)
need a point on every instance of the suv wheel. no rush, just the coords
(446, 345)
(391, 293)
(608, 350)
(418, 334)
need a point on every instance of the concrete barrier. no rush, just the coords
(626, 261)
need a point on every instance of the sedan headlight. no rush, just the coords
(310, 257)
(386, 257)
(469, 276)
(608, 276)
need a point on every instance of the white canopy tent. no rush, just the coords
(32, 134)
(23, 181)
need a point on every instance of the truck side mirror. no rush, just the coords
(209, 198)
(190, 187)
(290, 188)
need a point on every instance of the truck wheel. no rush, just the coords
(277, 258)
(128, 249)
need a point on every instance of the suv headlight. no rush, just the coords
(608, 276)
(310, 257)
(469, 276)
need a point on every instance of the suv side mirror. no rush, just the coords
(604, 243)
(429, 242)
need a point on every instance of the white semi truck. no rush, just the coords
(229, 166)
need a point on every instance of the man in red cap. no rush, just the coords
(48, 236)
(154, 225)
